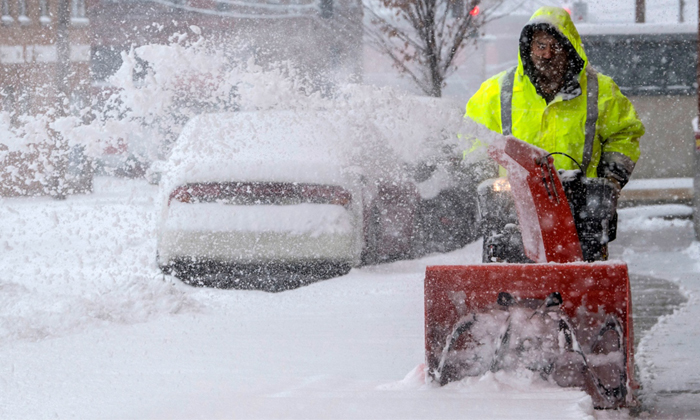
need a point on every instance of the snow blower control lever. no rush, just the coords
(547, 177)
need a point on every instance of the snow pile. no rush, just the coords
(654, 217)
(30, 313)
(66, 266)
(659, 184)
(511, 389)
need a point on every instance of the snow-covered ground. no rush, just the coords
(89, 329)
(667, 356)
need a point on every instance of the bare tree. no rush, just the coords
(424, 37)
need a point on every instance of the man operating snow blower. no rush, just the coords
(570, 142)
(555, 100)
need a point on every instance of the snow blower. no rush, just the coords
(545, 299)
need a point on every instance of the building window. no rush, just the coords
(6, 17)
(22, 17)
(326, 8)
(77, 13)
(78, 8)
(44, 17)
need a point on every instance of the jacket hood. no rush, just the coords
(557, 22)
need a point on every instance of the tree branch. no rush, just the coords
(458, 40)
(401, 64)
(422, 38)
(395, 32)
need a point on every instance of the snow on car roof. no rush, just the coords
(292, 146)
(251, 135)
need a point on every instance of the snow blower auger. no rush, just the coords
(545, 299)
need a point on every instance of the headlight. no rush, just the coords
(501, 185)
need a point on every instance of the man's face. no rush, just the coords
(548, 55)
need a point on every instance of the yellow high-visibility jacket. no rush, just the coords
(611, 147)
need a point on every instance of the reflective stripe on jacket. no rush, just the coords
(561, 125)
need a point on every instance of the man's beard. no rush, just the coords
(548, 76)
(548, 71)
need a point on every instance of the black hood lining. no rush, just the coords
(575, 62)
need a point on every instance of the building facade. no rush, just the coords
(43, 57)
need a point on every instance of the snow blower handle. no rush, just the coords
(546, 222)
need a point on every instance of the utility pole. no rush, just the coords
(681, 11)
(62, 55)
(696, 178)
(59, 154)
(639, 11)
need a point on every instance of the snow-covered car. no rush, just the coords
(271, 190)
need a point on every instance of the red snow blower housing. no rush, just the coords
(541, 306)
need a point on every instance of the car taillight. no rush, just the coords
(180, 194)
(326, 194)
(196, 193)
(251, 193)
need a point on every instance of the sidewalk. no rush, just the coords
(667, 355)
(657, 191)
